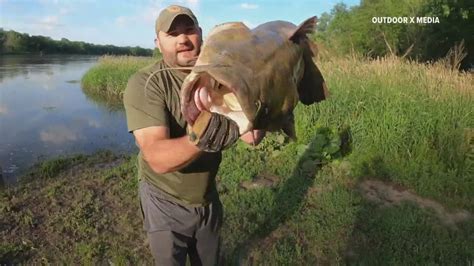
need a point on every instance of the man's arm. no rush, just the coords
(163, 154)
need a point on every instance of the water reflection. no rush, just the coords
(58, 134)
(44, 113)
(3, 109)
(22, 65)
(109, 104)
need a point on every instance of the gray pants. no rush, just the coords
(175, 230)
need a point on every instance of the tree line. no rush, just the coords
(352, 29)
(12, 42)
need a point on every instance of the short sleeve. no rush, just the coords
(144, 107)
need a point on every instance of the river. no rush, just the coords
(45, 114)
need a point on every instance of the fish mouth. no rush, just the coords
(201, 91)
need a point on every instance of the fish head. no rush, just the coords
(254, 77)
(219, 89)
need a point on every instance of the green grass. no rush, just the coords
(409, 125)
(405, 123)
(108, 79)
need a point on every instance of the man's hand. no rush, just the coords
(253, 137)
(213, 132)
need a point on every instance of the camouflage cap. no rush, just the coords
(167, 16)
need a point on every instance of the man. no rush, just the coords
(181, 207)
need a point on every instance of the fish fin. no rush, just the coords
(229, 26)
(288, 127)
(308, 26)
(312, 87)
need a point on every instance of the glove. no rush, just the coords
(213, 132)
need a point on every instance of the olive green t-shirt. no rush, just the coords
(159, 105)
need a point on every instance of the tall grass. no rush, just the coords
(407, 121)
(108, 79)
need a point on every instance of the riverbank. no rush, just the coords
(382, 172)
(108, 79)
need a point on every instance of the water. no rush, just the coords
(45, 114)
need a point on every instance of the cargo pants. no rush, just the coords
(175, 231)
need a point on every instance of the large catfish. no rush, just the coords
(255, 77)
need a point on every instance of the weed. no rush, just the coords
(107, 80)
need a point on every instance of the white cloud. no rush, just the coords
(248, 6)
(64, 11)
(144, 15)
(47, 2)
(49, 22)
(122, 21)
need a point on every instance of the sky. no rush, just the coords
(131, 23)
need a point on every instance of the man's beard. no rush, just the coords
(186, 61)
(173, 60)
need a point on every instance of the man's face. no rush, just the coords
(181, 45)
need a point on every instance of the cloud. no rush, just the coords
(47, 2)
(49, 22)
(145, 15)
(122, 21)
(150, 13)
(64, 11)
(248, 6)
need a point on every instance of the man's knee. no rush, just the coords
(168, 248)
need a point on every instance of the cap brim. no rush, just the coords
(167, 26)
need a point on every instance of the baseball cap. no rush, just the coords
(167, 16)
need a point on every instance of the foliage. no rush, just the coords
(12, 42)
(351, 30)
(106, 81)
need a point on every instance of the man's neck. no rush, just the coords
(179, 69)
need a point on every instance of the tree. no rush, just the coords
(352, 30)
(15, 42)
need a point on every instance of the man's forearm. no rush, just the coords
(169, 155)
